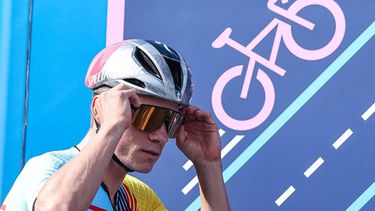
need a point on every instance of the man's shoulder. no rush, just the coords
(53, 158)
(132, 181)
(35, 173)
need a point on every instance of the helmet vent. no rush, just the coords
(136, 82)
(164, 50)
(146, 63)
(176, 71)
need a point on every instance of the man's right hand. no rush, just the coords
(112, 108)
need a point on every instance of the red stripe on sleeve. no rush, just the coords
(95, 208)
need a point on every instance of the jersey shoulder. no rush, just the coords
(32, 177)
(141, 196)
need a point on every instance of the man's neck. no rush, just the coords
(114, 177)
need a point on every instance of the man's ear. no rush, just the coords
(94, 109)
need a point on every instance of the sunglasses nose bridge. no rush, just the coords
(160, 134)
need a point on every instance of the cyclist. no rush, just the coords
(141, 97)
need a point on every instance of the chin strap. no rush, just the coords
(114, 157)
(118, 161)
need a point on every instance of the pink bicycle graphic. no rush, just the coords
(283, 32)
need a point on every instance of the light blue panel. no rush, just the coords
(13, 45)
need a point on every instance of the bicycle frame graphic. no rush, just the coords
(283, 32)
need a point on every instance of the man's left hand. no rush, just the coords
(198, 138)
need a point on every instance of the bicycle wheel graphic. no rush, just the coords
(251, 122)
(331, 46)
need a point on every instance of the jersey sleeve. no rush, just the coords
(141, 196)
(28, 183)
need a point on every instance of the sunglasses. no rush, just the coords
(149, 118)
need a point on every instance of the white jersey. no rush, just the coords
(36, 172)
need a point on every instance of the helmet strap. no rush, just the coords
(114, 157)
(118, 161)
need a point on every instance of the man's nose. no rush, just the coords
(160, 135)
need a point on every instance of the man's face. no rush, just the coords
(139, 150)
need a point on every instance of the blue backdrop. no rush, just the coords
(314, 148)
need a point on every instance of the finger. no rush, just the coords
(189, 113)
(133, 98)
(191, 109)
(205, 116)
(195, 113)
(120, 86)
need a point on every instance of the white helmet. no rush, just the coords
(150, 67)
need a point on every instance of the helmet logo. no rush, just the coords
(101, 76)
(97, 64)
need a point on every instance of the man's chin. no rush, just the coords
(144, 170)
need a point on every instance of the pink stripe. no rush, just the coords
(115, 21)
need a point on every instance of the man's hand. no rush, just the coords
(113, 107)
(198, 138)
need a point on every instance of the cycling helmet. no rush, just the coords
(149, 67)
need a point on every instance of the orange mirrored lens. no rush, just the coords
(149, 118)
